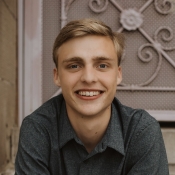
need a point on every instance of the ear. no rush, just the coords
(56, 77)
(119, 75)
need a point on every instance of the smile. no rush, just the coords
(89, 93)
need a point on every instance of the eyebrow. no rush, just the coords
(79, 59)
(102, 58)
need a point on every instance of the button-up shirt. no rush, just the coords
(131, 145)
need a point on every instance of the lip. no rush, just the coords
(89, 97)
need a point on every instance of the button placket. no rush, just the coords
(85, 167)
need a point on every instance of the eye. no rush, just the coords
(102, 66)
(74, 66)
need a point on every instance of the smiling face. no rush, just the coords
(88, 74)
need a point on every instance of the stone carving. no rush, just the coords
(98, 2)
(131, 19)
(165, 8)
(64, 10)
(164, 37)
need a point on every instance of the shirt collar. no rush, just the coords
(113, 137)
(66, 132)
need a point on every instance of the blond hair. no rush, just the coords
(86, 27)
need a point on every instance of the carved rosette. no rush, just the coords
(131, 19)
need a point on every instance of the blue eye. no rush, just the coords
(74, 66)
(102, 66)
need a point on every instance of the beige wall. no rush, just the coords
(169, 139)
(8, 76)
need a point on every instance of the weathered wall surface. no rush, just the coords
(8, 76)
(169, 139)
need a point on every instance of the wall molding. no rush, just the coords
(29, 56)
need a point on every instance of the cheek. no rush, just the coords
(110, 79)
(69, 80)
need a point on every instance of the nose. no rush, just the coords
(89, 75)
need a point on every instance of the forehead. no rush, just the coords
(87, 47)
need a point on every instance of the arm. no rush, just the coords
(147, 155)
(33, 149)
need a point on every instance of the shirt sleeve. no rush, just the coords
(33, 149)
(147, 154)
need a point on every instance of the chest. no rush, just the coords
(75, 160)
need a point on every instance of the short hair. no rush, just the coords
(84, 27)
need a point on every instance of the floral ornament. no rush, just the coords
(131, 19)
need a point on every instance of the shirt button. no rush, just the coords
(78, 140)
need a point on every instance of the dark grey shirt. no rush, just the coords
(132, 144)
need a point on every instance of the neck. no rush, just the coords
(90, 129)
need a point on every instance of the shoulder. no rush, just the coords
(143, 142)
(136, 121)
(47, 114)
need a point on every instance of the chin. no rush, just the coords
(91, 111)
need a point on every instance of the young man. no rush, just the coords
(86, 131)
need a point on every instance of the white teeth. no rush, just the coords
(89, 93)
(96, 93)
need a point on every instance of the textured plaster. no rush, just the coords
(8, 76)
(169, 139)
